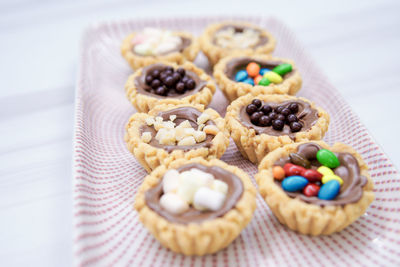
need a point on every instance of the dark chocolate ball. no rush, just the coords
(273, 115)
(190, 84)
(176, 77)
(278, 125)
(180, 87)
(169, 69)
(256, 102)
(169, 81)
(155, 73)
(294, 107)
(255, 117)
(285, 112)
(266, 109)
(149, 79)
(162, 90)
(251, 108)
(181, 71)
(264, 121)
(280, 117)
(295, 126)
(291, 118)
(279, 109)
(155, 83)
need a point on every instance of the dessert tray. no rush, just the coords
(107, 231)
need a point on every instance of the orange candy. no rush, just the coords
(278, 172)
(253, 69)
(257, 79)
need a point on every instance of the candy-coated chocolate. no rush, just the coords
(264, 81)
(294, 183)
(282, 69)
(257, 79)
(311, 190)
(297, 159)
(253, 69)
(291, 169)
(329, 177)
(249, 81)
(329, 190)
(312, 175)
(273, 77)
(278, 172)
(263, 71)
(325, 170)
(327, 158)
(241, 75)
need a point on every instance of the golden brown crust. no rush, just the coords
(255, 146)
(197, 238)
(233, 89)
(151, 157)
(310, 218)
(143, 103)
(137, 61)
(214, 53)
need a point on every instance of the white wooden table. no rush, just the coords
(356, 42)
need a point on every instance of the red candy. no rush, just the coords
(311, 175)
(291, 169)
(311, 190)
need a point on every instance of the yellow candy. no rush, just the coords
(273, 77)
(328, 177)
(325, 170)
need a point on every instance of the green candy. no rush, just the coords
(327, 158)
(282, 69)
(264, 81)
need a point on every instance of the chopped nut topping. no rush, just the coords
(146, 137)
(172, 117)
(187, 141)
(211, 129)
(203, 118)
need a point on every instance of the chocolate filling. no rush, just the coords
(350, 191)
(182, 114)
(307, 117)
(262, 38)
(185, 43)
(143, 88)
(237, 64)
(235, 190)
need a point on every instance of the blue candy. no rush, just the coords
(262, 71)
(329, 190)
(241, 75)
(294, 183)
(249, 81)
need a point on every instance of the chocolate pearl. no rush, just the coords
(295, 126)
(256, 102)
(180, 87)
(181, 71)
(273, 115)
(162, 90)
(155, 73)
(266, 109)
(149, 79)
(176, 77)
(155, 83)
(278, 125)
(291, 118)
(251, 108)
(163, 75)
(190, 84)
(169, 69)
(294, 107)
(169, 81)
(285, 112)
(280, 117)
(265, 121)
(255, 117)
(185, 78)
(279, 109)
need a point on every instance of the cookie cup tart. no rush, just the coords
(150, 46)
(234, 84)
(254, 141)
(147, 87)
(192, 229)
(316, 211)
(222, 39)
(170, 132)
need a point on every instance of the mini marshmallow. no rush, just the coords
(208, 198)
(220, 186)
(203, 178)
(173, 203)
(190, 182)
(170, 181)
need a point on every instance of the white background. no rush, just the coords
(356, 43)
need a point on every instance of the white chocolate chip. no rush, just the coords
(220, 186)
(199, 136)
(203, 118)
(150, 121)
(208, 198)
(146, 137)
(173, 203)
(187, 141)
(170, 181)
(211, 129)
(172, 117)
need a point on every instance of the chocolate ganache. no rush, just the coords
(240, 63)
(182, 114)
(306, 115)
(350, 191)
(185, 43)
(143, 88)
(262, 38)
(235, 191)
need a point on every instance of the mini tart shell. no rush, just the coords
(197, 238)
(143, 102)
(233, 89)
(151, 157)
(214, 52)
(308, 218)
(255, 146)
(137, 61)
